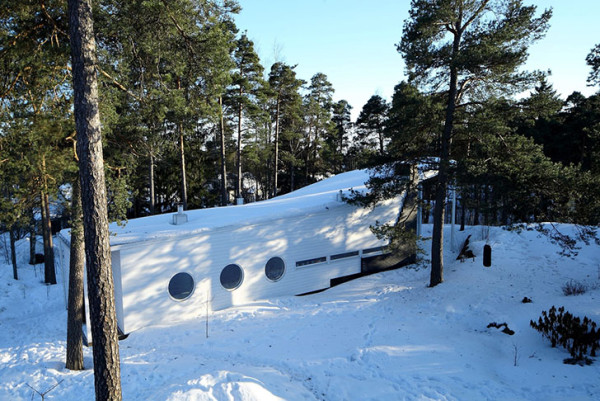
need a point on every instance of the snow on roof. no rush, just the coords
(310, 199)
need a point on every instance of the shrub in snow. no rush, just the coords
(504, 326)
(573, 287)
(574, 334)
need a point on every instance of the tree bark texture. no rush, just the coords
(182, 161)
(107, 379)
(276, 144)
(224, 194)
(49, 270)
(76, 266)
(267, 189)
(43, 222)
(151, 179)
(307, 155)
(238, 187)
(463, 209)
(32, 239)
(437, 239)
(13, 252)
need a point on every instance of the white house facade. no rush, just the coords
(236, 255)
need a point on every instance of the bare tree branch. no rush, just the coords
(119, 85)
(475, 14)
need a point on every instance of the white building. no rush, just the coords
(293, 244)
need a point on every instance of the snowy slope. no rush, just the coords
(386, 336)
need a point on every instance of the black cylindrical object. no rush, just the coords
(487, 255)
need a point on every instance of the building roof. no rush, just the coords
(310, 199)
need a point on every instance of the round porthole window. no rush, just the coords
(181, 286)
(232, 276)
(275, 268)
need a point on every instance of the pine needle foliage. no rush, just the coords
(578, 336)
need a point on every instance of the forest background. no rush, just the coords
(191, 116)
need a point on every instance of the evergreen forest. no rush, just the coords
(190, 116)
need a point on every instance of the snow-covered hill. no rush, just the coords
(386, 336)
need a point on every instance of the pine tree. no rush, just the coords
(284, 87)
(371, 124)
(506, 177)
(581, 132)
(468, 47)
(34, 97)
(244, 94)
(95, 217)
(161, 108)
(593, 60)
(75, 308)
(539, 118)
(414, 124)
(337, 140)
(317, 115)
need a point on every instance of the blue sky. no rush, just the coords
(353, 42)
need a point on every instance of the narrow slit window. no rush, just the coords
(311, 261)
(373, 250)
(344, 255)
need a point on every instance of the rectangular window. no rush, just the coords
(373, 250)
(311, 261)
(344, 255)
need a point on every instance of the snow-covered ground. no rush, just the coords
(386, 336)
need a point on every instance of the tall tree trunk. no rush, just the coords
(107, 381)
(340, 166)
(276, 162)
(266, 179)
(182, 165)
(315, 147)
(238, 187)
(437, 240)
(504, 212)
(463, 211)
(43, 222)
(307, 156)
(49, 270)
(487, 207)
(182, 158)
(76, 266)
(13, 252)
(49, 258)
(292, 176)
(477, 195)
(32, 238)
(151, 179)
(224, 194)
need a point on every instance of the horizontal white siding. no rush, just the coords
(64, 257)
(147, 267)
